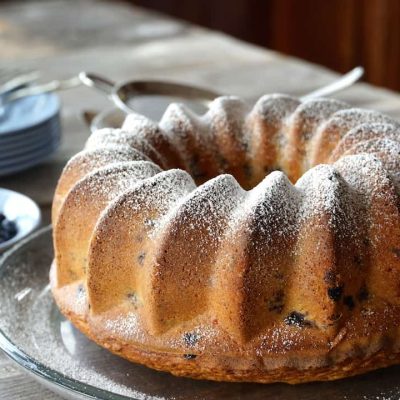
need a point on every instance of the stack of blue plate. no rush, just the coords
(29, 132)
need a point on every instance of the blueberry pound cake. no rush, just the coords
(257, 244)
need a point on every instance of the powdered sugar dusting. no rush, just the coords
(106, 155)
(322, 190)
(208, 207)
(316, 111)
(388, 152)
(352, 117)
(377, 146)
(158, 193)
(366, 132)
(126, 327)
(188, 133)
(110, 137)
(173, 206)
(275, 107)
(138, 124)
(367, 176)
(116, 178)
(274, 196)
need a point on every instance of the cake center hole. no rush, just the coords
(204, 168)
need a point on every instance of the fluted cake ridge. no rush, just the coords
(249, 244)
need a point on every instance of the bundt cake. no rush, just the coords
(245, 244)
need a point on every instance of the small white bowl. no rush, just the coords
(23, 211)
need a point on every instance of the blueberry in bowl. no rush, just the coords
(19, 216)
(8, 229)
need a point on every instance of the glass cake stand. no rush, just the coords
(40, 340)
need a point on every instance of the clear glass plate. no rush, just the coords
(39, 339)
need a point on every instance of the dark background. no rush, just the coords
(339, 34)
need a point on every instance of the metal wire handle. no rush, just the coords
(107, 87)
(97, 82)
(343, 82)
(44, 88)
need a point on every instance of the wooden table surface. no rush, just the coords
(61, 38)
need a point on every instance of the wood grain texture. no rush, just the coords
(337, 33)
(123, 42)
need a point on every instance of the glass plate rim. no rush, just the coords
(30, 364)
(63, 384)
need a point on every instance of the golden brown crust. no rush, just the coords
(348, 354)
(284, 282)
(204, 367)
